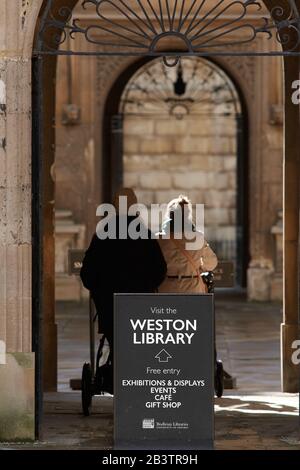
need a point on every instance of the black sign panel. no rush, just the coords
(224, 275)
(164, 363)
(75, 260)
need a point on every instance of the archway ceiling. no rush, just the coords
(205, 90)
(170, 28)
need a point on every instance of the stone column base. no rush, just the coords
(17, 397)
(290, 372)
(277, 287)
(259, 283)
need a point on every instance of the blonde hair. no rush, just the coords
(180, 206)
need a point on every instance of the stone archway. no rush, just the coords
(43, 240)
(17, 188)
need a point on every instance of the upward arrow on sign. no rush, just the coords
(163, 356)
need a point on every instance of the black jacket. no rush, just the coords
(123, 266)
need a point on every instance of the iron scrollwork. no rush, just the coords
(193, 27)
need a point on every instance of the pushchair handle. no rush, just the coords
(208, 279)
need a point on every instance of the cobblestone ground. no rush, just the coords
(253, 416)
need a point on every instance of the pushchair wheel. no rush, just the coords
(219, 379)
(86, 389)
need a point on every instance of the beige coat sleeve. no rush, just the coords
(208, 260)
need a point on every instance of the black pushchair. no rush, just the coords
(208, 279)
(97, 379)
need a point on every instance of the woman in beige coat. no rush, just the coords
(184, 266)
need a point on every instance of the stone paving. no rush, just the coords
(254, 416)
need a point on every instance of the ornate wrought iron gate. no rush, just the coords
(196, 27)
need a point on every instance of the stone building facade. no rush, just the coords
(77, 154)
(167, 153)
(196, 145)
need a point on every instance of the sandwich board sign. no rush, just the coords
(224, 274)
(75, 260)
(163, 371)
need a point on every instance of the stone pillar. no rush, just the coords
(17, 362)
(290, 325)
(264, 180)
(277, 281)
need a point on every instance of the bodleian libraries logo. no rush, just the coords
(151, 424)
(139, 221)
(148, 424)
